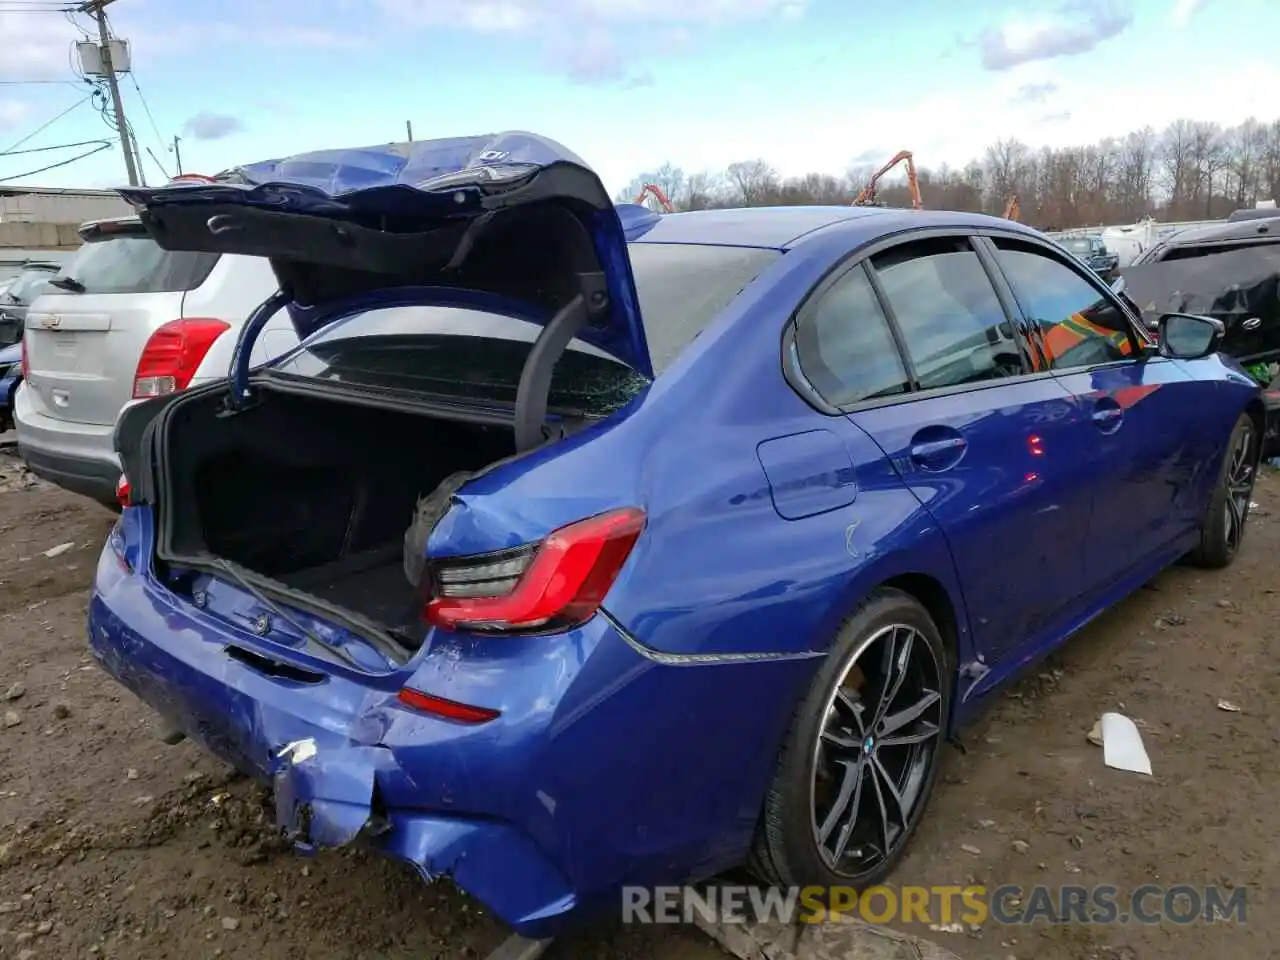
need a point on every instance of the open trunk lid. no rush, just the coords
(344, 229)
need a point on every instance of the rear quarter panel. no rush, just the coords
(718, 570)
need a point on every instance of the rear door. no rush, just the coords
(989, 447)
(85, 335)
(1148, 436)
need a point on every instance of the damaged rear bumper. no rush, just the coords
(607, 766)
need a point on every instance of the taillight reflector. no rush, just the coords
(173, 354)
(555, 584)
(448, 709)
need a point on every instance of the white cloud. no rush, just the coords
(12, 113)
(590, 41)
(506, 15)
(1184, 12)
(36, 46)
(951, 126)
(1077, 28)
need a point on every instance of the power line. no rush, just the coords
(145, 106)
(55, 166)
(60, 146)
(40, 129)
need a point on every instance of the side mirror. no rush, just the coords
(1184, 336)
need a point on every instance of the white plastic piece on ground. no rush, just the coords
(1122, 747)
(516, 947)
(59, 550)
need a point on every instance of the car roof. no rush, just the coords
(1225, 232)
(782, 227)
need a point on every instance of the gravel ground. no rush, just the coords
(113, 845)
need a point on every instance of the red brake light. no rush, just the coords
(557, 583)
(173, 354)
(26, 364)
(122, 491)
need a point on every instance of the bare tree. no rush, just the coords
(1189, 170)
(753, 180)
(1134, 173)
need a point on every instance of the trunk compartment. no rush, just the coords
(312, 495)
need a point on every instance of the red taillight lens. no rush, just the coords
(173, 354)
(26, 364)
(557, 583)
(122, 491)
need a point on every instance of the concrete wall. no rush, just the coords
(59, 206)
(37, 236)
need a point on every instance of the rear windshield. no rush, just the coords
(1209, 249)
(442, 350)
(1078, 246)
(133, 263)
(30, 283)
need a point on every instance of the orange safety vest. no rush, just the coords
(1061, 337)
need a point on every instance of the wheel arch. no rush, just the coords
(933, 596)
(1257, 411)
(926, 575)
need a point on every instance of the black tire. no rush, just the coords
(1225, 522)
(786, 849)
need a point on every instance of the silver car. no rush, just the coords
(125, 320)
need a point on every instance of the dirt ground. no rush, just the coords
(114, 845)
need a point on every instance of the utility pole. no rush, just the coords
(408, 129)
(97, 10)
(177, 154)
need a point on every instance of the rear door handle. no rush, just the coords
(1107, 417)
(1253, 323)
(938, 454)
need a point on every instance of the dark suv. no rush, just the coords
(1095, 255)
(1230, 271)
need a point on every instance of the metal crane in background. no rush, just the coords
(867, 198)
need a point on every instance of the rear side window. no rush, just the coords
(844, 345)
(952, 324)
(684, 286)
(134, 263)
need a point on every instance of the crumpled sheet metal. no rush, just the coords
(1229, 286)
(426, 514)
(844, 939)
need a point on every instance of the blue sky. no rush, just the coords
(628, 84)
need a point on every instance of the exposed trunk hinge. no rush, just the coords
(241, 397)
(533, 394)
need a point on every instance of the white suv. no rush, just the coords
(125, 320)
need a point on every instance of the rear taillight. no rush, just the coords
(123, 491)
(26, 364)
(173, 354)
(555, 584)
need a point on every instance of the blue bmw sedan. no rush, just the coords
(578, 546)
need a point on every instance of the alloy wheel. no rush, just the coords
(1241, 473)
(875, 751)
